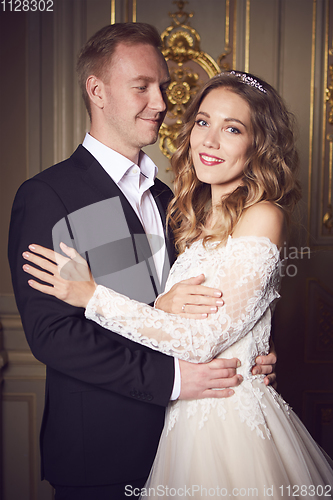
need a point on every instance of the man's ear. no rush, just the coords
(95, 90)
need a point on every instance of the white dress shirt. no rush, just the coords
(134, 181)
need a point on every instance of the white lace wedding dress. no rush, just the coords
(251, 444)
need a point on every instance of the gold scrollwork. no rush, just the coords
(189, 68)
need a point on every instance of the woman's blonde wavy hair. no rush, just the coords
(270, 171)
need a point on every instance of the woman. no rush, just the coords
(235, 189)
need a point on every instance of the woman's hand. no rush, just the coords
(190, 299)
(70, 277)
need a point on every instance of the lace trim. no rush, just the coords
(279, 401)
(247, 403)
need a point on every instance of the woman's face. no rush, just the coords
(220, 141)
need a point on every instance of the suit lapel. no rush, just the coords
(98, 179)
(169, 243)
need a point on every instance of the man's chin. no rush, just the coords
(150, 138)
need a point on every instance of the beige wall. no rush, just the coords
(43, 120)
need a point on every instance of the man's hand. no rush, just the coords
(266, 365)
(199, 381)
(190, 299)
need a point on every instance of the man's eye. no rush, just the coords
(142, 88)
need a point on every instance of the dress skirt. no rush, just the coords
(209, 450)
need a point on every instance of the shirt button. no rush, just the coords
(134, 171)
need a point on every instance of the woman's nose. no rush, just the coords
(212, 139)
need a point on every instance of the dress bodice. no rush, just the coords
(200, 260)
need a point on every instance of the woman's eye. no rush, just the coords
(201, 123)
(233, 130)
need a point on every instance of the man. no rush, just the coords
(106, 396)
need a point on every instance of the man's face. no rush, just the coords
(135, 98)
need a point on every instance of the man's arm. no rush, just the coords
(199, 381)
(266, 365)
(58, 334)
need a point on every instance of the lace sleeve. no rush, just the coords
(248, 275)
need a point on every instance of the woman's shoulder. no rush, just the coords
(263, 219)
(266, 210)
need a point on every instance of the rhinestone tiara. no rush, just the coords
(249, 80)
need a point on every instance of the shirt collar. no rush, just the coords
(117, 165)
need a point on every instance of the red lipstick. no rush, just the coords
(210, 160)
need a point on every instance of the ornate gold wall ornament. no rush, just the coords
(189, 68)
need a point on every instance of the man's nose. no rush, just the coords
(158, 100)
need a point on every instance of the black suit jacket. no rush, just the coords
(105, 395)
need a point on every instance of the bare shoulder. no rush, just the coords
(263, 219)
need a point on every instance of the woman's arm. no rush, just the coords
(250, 276)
